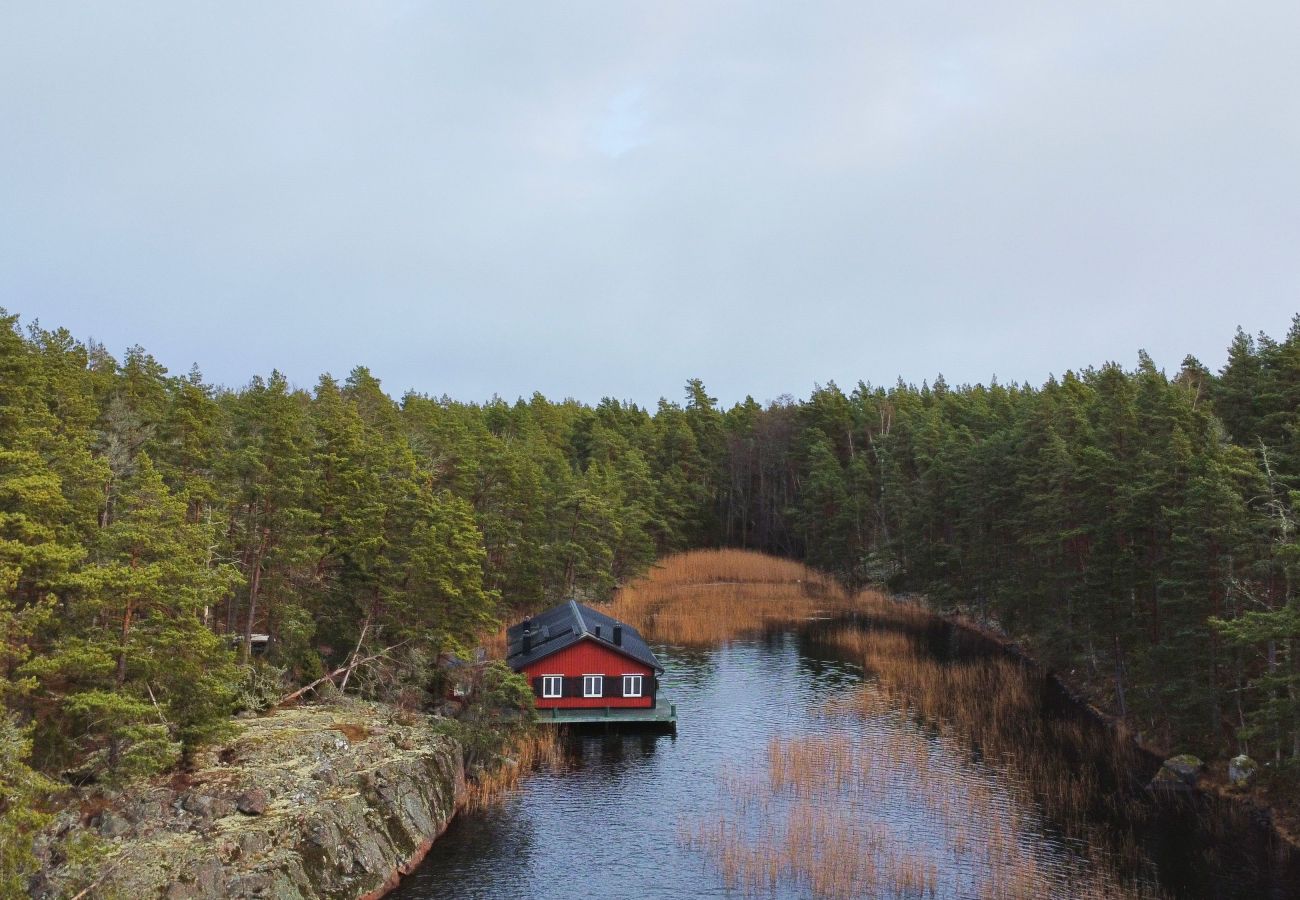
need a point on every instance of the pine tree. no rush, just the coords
(267, 476)
(1236, 389)
(22, 792)
(135, 673)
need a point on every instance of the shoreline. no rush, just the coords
(412, 863)
(751, 593)
(1252, 803)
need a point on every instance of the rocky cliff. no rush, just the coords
(329, 801)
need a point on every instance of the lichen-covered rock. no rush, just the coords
(1242, 770)
(251, 803)
(327, 801)
(1185, 766)
(1166, 781)
(111, 825)
(1177, 775)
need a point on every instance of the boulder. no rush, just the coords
(113, 826)
(198, 804)
(1241, 771)
(1185, 766)
(1177, 774)
(251, 803)
(450, 708)
(1166, 781)
(325, 774)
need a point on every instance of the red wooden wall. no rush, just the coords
(590, 658)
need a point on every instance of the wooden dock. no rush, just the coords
(662, 715)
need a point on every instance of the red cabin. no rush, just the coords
(578, 658)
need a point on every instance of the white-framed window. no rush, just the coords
(593, 685)
(552, 686)
(631, 685)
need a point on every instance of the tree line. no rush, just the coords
(152, 526)
(1137, 529)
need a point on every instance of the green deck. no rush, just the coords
(663, 714)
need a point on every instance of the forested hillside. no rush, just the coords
(1137, 529)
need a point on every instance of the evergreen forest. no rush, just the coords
(1135, 529)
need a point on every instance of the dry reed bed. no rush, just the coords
(817, 812)
(527, 750)
(850, 814)
(994, 703)
(708, 597)
(882, 812)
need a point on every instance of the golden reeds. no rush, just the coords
(992, 702)
(821, 812)
(527, 750)
(851, 813)
(707, 597)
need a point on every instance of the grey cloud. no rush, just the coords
(589, 199)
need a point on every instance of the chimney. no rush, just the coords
(618, 635)
(526, 642)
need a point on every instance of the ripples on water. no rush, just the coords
(611, 823)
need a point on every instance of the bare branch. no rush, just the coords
(346, 667)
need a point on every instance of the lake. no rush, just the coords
(919, 811)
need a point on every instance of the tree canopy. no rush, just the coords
(1137, 528)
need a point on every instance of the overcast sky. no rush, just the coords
(605, 199)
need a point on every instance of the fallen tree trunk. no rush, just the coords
(353, 663)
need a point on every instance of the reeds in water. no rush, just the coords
(873, 806)
(884, 813)
(991, 702)
(526, 751)
(708, 597)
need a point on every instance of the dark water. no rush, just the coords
(610, 824)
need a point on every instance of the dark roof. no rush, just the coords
(563, 626)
